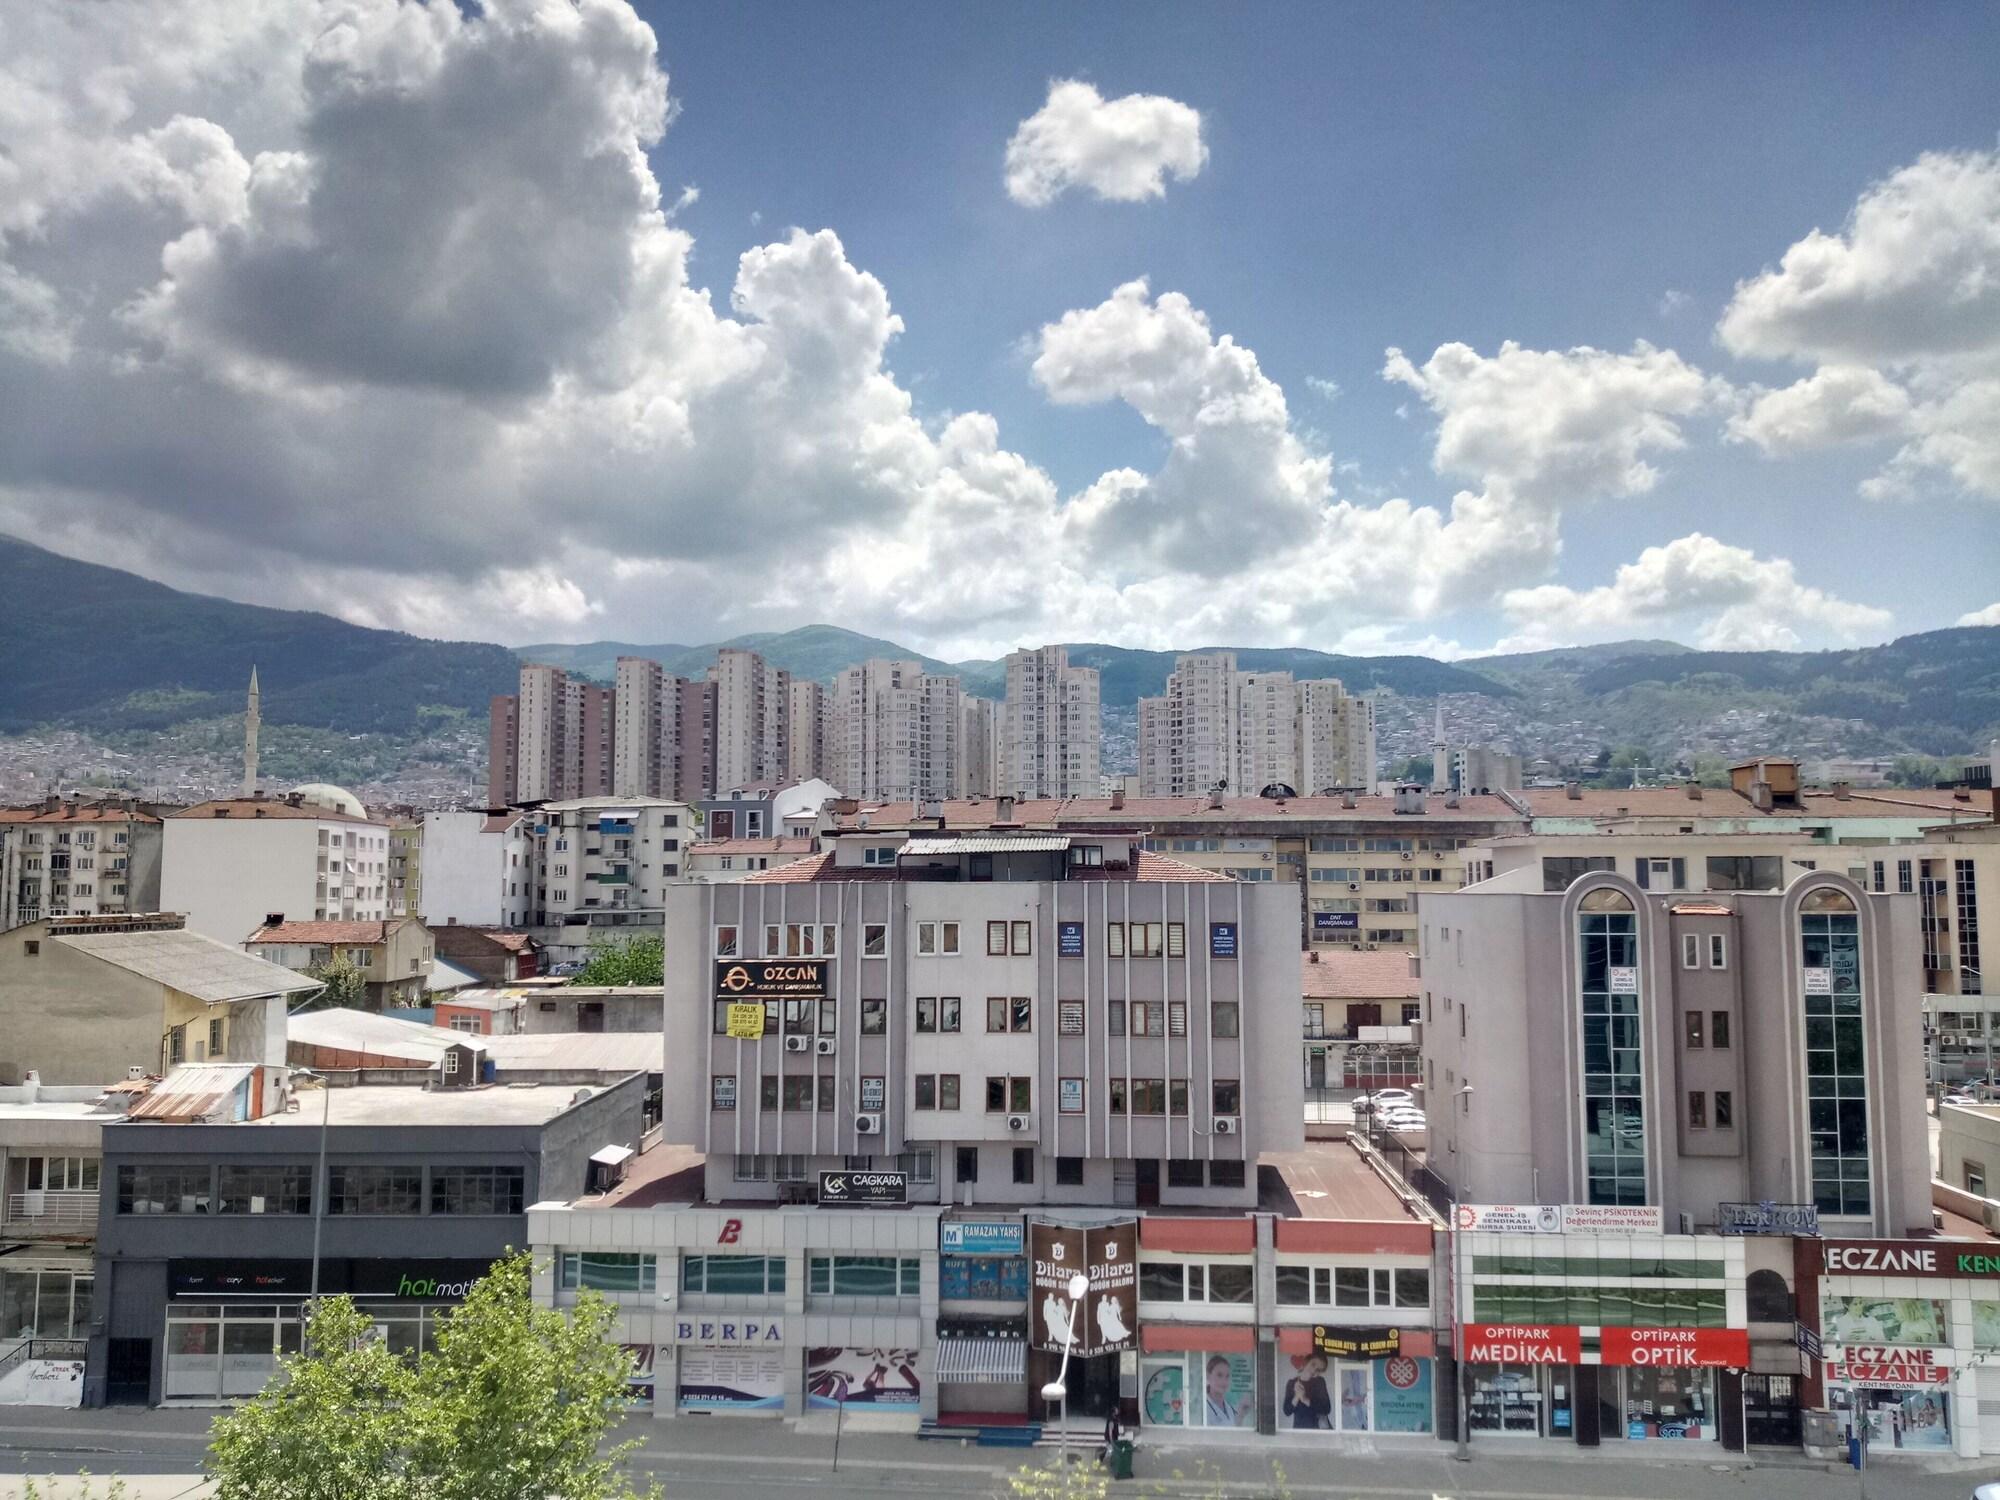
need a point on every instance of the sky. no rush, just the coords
(1442, 329)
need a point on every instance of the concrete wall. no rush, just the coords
(624, 1009)
(75, 1019)
(1968, 1137)
(228, 874)
(464, 870)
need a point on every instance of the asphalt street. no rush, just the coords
(159, 1453)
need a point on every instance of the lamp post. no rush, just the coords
(1462, 1451)
(319, 1191)
(1058, 1389)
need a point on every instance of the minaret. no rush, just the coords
(1440, 770)
(250, 718)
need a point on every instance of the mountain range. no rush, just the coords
(107, 654)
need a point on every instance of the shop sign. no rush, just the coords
(980, 1236)
(731, 1379)
(1807, 1340)
(745, 1023)
(1766, 1218)
(253, 1278)
(1676, 1348)
(982, 1278)
(1906, 1258)
(1357, 1343)
(1874, 1319)
(1403, 1395)
(1613, 1218)
(415, 1280)
(1522, 1344)
(864, 1187)
(1624, 980)
(1886, 1364)
(1069, 940)
(1819, 981)
(1511, 1218)
(1222, 940)
(1108, 1320)
(1335, 921)
(722, 1331)
(776, 979)
(885, 1378)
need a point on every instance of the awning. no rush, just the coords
(987, 1360)
(1202, 1338)
(612, 1156)
(998, 843)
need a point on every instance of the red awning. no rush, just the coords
(1203, 1338)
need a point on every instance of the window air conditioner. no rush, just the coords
(1406, 854)
(796, 1043)
(1018, 1122)
(1225, 1125)
(867, 1124)
(824, 1046)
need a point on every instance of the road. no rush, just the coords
(159, 1453)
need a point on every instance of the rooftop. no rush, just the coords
(76, 812)
(406, 1104)
(248, 808)
(1344, 974)
(186, 961)
(328, 932)
(818, 868)
(751, 846)
(1327, 1180)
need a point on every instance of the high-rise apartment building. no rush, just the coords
(811, 732)
(663, 733)
(896, 731)
(596, 755)
(1242, 731)
(752, 719)
(1052, 727)
(979, 755)
(503, 732)
(548, 713)
(1266, 732)
(1336, 738)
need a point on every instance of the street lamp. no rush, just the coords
(1058, 1389)
(319, 1190)
(1462, 1451)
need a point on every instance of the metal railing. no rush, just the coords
(1405, 1162)
(51, 1210)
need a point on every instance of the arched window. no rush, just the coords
(1614, 1109)
(1769, 1299)
(1827, 898)
(1605, 898)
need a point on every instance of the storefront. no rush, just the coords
(1910, 1336)
(982, 1326)
(228, 1323)
(728, 1363)
(1090, 1344)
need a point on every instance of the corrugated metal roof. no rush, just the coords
(384, 1036)
(195, 965)
(1029, 843)
(194, 1091)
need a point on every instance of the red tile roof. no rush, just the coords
(1341, 974)
(326, 932)
(67, 814)
(751, 846)
(1142, 812)
(246, 808)
(1149, 866)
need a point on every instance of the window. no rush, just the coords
(937, 1091)
(1176, 1281)
(1149, 1018)
(1116, 1104)
(947, 1091)
(1223, 1019)
(264, 1190)
(1836, 1073)
(874, 1017)
(1069, 1017)
(1225, 1174)
(1184, 1174)
(939, 939)
(375, 1190)
(996, 1096)
(1024, 1164)
(965, 1165)
(1114, 1017)
(1177, 1096)
(1745, 872)
(722, 1091)
(1718, 951)
(164, 1190)
(881, 855)
(862, 1276)
(1020, 1095)
(1692, 1021)
(1177, 1018)
(1975, 1178)
(1004, 1013)
(921, 1165)
(1144, 938)
(767, 1095)
(874, 939)
(1697, 1110)
(1560, 872)
(799, 1092)
(1176, 940)
(1228, 1096)
(476, 1190)
(608, 1271)
(1614, 1119)
(1690, 950)
(996, 939)
(1725, 1109)
(1718, 1029)
(1087, 855)
(734, 1275)
(1023, 938)
(1114, 939)
(1069, 1171)
(1149, 1096)
(1904, 884)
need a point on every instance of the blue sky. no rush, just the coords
(1417, 177)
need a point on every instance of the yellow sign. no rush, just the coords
(746, 1021)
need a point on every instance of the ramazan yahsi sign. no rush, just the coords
(1108, 1319)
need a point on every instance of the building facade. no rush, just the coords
(812, 748)
(1052, 727)
(1336, 739)
(752, 718)
(67, 857)
(895, 732)
(601, 865)
(228, 864)
(665, 733)
(393, 956)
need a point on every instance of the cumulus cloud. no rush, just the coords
(1744, 602)
(1123, 150)
(1835, 404)
(1987, 616)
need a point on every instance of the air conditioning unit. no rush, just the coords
(1226, 1125)
(867, 1124)
(824, 1046)
(1407, 855)
(797, 1043)
(1019, 1122)
(1354, 885)
(1437, 854)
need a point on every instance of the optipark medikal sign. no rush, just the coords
(1570, 1344)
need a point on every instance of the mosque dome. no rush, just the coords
(335, 798)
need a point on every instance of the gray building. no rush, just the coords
(205, 1229)
(1626, 1047)
(1010, 1018)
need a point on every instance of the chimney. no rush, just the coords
(1841, 791)
(1215, 799)
(1760, 795)
(1347, 801)
(1118, 799)
(1451, 799)
(1694, 791)
(51, 803)
(1573, 790)
(1003, 809)
(274, 919)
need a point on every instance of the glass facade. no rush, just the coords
(44, 1303)
(1614, 1111)
(1836, 1058)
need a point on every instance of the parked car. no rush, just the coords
(1405, 1119)
(1383, 1099)
(1960, 1096)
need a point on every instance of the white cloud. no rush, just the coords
(1327, 390)
(1987, 616)
(1121, 149)
(1742, 603)
(1835, 404)
(1556, 427)
(1673, 302)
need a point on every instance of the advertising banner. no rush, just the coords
(1403, 1395)
(1227, 1391)
(1881, 1364)
(1108, 1320)
(1883, 1320)
(982, 1278)
(772, 979)
(836, 1188)
(980, 1236)
(744, 1022)
(1222, 940)
(880, 1378)
(745, 1379)
(1335, 921)
(1511, 1218)
(1357, 1343)
(1069, 940)
(1613, 1218)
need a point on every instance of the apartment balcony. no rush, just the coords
(71, 1215)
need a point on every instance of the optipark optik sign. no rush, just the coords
(1570, 1344)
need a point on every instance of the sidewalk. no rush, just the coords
(73, 1487)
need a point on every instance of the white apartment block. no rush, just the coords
(78, 860)
(1266, 737)
(979, 754)
(896, 732)
(752, 719)
(1336, 738)
(1052, 725)
(549, 705)
(467, 859)
(811, 732)
(604, 863)
(659, 736)
(231, 864)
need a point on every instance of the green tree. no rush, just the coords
(640, 961)
(513, 1404)
(341, 985)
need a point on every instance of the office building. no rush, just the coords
(752, 719)
(1052, 726)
